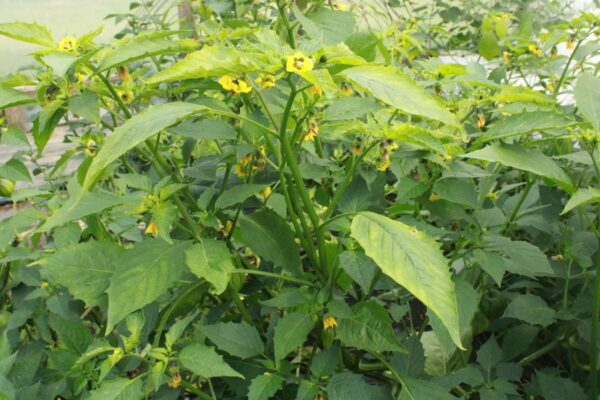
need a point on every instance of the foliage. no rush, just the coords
(307, 200)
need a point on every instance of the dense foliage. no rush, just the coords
(307, 200)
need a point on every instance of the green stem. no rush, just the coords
(515, 211)
(286, 23)
(274, 275)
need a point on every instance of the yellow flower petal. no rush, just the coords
(299, 63)
(152, 229)
(68, 43)
(329, 322)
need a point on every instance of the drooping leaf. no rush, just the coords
(264, 387)
(210, 260)
(237, 194)
(368, 328)
(28, 32)
(559, 388)
(118, 389)
(348, 385)
(85, 105)
(207, 129)
(238, 339)
(526, 122)
(417, 389)
(413, 260)
(135, 131)
(84, 269)
(489, 354)
(488, 46)
(395, 89)
(520, 257)
(333, 26)
(360, 268)
(144, 274)
(205, 361)
(270, 237)
(291, 332)
(582, 197)
(531, 309)
(15, 170)
(587, 96)
(531, 160)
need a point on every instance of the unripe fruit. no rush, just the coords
(6, 187)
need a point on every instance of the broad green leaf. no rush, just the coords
(237, 194)
(413, 260)
(350, 108)
(531, 160)
(526, 122)
(10, 97)
(17, 223)
(118, 389)
(74, 209)
(144, 274)
(460, 191)
(520, 257)
(559, 388)
(488, 46)
(84, 269)
(238, 339)
(348, 385)
(417, 389)
(210, 260)
(334, 26)
(270, 237)
(177, 329)
(207, 129)
(205, 361)
(489, 354)
(587, 96)
(582, 197)
(264, 387)
(368, 328)
(491, 263)
(413, 134)
(291, 333)
(307, 390)
(515, 94)
(143, 47)
(326, 361)
(531, 309)
(135, 131)
(71, 333)
(45, 124)
(15, 170)
(361, 268)
(395, 89)
(85, 105)
(28, 32)
(208, 62)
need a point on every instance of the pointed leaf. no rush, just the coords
(587, 96)
(205, 361)
(118, 389)
(28, 32)
(238, 339)
(264, 387)
(291, 332)
(582, 197)
(210, 260)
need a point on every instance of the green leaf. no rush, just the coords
(417, 389)
(205, 362)
(74, 209)
(71, 333)
(270, 237)
(11, 98)
(28, 32)
(526, 122)
(368, 328)
(15, 170)
(350, 108)
(135, 131)
(413, 260)
(347, 386)
(84, 269)
(531, 160)
(264, 387)
(206, 129)
(118, 389)
(210, 260)
(587, 97)
(145, 273)
(17, 223)
(86, 106)
(460, 191)
(144, 47)
(531, 309)
(45, 124)
(361, 268)
(291, 333)
(238, 339)
(521, 257)
(208, 62)
(488, 46)
(582, 197)
(491, 263)
(559, 388)
(237, 194)
(397, 90)
(489, 355)
(333, 26)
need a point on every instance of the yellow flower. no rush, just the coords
(175, 381)
(493, 196)
(434, 197)
(266, 82)
(340, 7)
(235, 85)
(446, 157)
(356, 150)
(384, 164)
(44, 285)
(124, 73)
(536, 51)
(553, 53)
(228, 226)
(506, 56)
(251, 163)
(299, 63)
(550, 87)
(90, 148)
(266, 193)
(79, 77)
(346, 88)
(313, 131)
(126, 96)
(480, 121)
(68, 43)
(570, 44)
(329, 322)
(152, 229)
